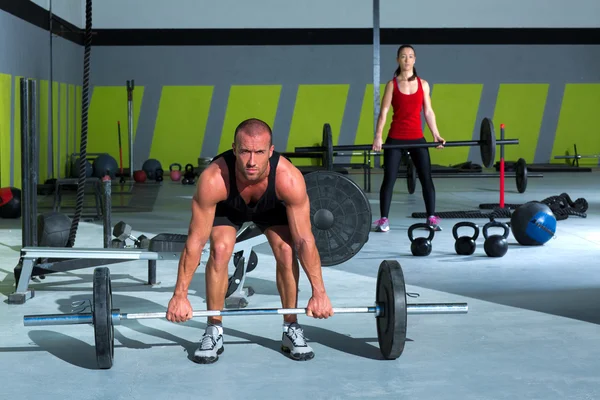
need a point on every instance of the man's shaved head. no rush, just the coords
(253, 127)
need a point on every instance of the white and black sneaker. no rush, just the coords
(294, 343)
(211, 345)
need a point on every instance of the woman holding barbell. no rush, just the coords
(408, 94)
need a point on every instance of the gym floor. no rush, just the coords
(531, 331)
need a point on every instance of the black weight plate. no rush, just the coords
(236, 278)
(411, 176)
(340, 216)
(521, 175)
(102, 315)
(252, 262)
(487, 143)
(391, 295)
(328, 147)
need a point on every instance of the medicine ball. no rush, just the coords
(89, 169)
(150, 166)
(533, 224)
(53, 229)
(10, 202)
(105, 164)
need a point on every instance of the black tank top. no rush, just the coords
(234, 201)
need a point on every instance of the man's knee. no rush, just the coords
(220, 252)
(284, 252)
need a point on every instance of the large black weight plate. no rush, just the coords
(487, 143)
(411, 177)
(102, 315)
(340, 216)
(236, 278)
(328, 147)
(391, 295)
(521, 175)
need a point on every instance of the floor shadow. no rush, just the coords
(77, 353)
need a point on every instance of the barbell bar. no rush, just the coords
(390, 310)
(487, 144)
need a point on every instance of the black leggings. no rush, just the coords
(422, 163)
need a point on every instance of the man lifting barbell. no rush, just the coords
(251, 182)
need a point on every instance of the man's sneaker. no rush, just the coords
(294, 343)
(382, 225)
(210, 347)
(434, 222)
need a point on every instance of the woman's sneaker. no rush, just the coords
(434, 222)
(211, 345)
(382, 225)
(294, 343)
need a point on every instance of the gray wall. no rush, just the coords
(289, 66)
(26, 52)
(135, 14)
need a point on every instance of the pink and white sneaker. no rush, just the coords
(382, 225)
(434, 222)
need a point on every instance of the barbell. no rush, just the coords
(390, 310)
(487, 145)
(521, 175)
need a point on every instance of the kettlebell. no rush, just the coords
(421, 246)
(465, 245)
(159, 174)
(189, 177)
(175, 173)
(495, 245)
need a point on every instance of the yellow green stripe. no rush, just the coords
(181, 124)
(107, 106)
(16, 161)
(63, 149)
(71, 123)
(366, 123)
(315, 106)
(44, 92)
(55, 128)
(5, 107)
(520, 107)
(78, 105)
(245, 102)
(577, 122)
(455, 107)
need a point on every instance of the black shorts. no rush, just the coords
(263, 220)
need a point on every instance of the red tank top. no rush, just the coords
(406, 122)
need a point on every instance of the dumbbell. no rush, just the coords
(122, 231)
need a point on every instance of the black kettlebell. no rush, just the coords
(495, 245)
(189, 176)
(420, 246)
(465, 245)
(159, 174)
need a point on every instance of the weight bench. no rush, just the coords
(35, 261)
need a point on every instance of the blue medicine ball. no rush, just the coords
(533, 224)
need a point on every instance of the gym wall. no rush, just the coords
(202, 66)
(26, 53)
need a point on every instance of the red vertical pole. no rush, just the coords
(501, 167)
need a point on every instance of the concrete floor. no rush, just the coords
(531, 332)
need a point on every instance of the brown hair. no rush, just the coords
(398, 70)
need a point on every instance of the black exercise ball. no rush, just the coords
(53, 229)
(10, 202)
(150, 167)
(105, 164)
(533, 224)
(89, 169)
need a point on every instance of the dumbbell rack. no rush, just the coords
(62, 259)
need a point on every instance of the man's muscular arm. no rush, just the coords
(291, 188)
(208, 192)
